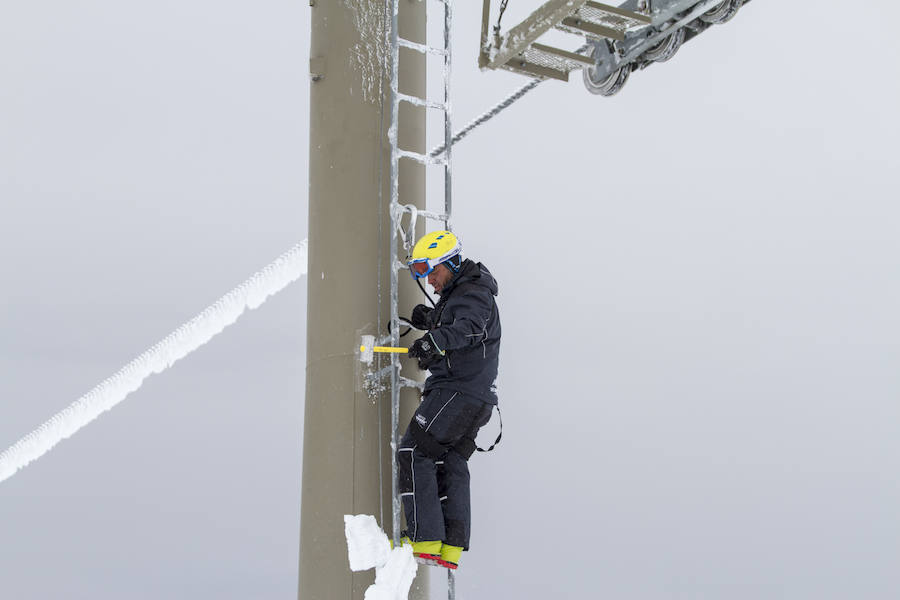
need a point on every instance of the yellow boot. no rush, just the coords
(450, 556)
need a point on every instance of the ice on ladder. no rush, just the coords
(404, 236)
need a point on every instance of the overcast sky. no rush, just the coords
(699, 286)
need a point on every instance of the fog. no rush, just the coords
(698, 288)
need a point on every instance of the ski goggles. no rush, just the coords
(421, 267)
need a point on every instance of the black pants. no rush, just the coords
(435, 491)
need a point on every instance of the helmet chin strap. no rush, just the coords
(454, 266)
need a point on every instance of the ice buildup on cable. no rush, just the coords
(275, 277)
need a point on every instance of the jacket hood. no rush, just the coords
(475, 273)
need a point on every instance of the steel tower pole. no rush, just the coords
(346, 441)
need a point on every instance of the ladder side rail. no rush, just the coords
(395, 218)
(448, 129)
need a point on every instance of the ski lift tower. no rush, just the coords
(347, 455)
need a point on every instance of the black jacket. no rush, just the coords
(465, 324)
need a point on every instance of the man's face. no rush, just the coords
(439, 277)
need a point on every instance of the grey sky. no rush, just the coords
(699, 282)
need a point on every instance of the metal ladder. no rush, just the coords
(398, 210)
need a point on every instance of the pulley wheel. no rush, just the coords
(666, 49)
(604, 86)
(721, 13)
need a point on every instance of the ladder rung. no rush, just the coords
(384, 372)
(403, 381)
(407, 382)
(433, 215)
(420, 47)
(421, 158)
(421, 102)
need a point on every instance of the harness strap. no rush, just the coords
(404, 322)
(499, 435)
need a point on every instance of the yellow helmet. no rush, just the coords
(431, 250)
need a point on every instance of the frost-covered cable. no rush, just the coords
(490, 114)
(496, 110)
(286, 269)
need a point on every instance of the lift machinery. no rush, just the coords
(617, 40)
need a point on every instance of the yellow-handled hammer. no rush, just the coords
(383, 349)
(368, 349)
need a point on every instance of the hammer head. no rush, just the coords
(366, 352)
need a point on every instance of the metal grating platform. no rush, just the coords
(546, 61)
(518, 50)
(596, 20)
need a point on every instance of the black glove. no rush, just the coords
(424, 350)
(421, 317)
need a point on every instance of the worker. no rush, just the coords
(460, 350)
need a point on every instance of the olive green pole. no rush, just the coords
(346, 440)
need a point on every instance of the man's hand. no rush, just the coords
(421, 317)
(424, 350)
